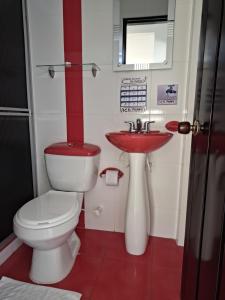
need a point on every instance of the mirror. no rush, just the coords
(143, 34)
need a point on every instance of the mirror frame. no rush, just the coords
(118, 42)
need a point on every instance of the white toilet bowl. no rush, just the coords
(47, 224)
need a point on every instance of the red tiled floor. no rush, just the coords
(18, 265)
(116, 250)
(81, 221)
(83, 276)
(165, 282)
(122, 279)
(92, 242)
(165, 253)
(105, 271)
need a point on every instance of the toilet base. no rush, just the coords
(51, 266)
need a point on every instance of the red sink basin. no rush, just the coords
(138, 142)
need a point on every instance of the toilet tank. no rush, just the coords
(72, 168)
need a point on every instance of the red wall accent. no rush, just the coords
(73, 76)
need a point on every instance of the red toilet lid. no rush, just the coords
(73, 149)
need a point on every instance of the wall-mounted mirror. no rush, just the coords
(143, 34)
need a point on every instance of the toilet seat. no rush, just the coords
(48, 210)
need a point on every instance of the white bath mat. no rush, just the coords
(11, 289)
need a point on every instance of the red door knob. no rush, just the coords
(186, 127)
(172, 126)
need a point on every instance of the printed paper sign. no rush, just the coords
(133, 94)
(167, 94)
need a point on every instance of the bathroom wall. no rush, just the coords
(134, 9)
(168, 175)
(45, 20)
(168, 168)
(55, 37)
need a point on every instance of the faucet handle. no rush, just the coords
(147, 125)
(131, 125)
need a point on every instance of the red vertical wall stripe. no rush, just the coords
(73, 76)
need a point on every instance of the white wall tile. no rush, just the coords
(43, 184)
(181, 42)
(95, 128)
(49, 94)
(111, 198)
(97, 26)
(103, 196)
(183, 195)
(50, 129)
(164, 187)
(163, 224)
(176, 75)
(45, 19)
(172, 151)
(100, 93)
(121, 200)
(45, 24)
(121, 118)
(189, 108)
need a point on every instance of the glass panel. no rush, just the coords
(146, 43)
(16, 185)
(13, 91)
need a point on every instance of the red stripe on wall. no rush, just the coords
(73, 76)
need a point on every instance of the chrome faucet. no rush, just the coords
(138, 125)
(138, 128)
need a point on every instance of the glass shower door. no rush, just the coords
(16, 180)
(16, 175)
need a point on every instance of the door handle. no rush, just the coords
(186, 127)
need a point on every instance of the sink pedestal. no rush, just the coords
(138, 211)
(137, 144)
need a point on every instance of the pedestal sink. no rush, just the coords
(138, 211)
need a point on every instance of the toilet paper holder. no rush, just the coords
(120, 173)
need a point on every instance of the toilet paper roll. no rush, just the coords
(112, 177)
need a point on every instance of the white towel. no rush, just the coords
(11, 289)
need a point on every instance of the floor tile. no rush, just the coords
(122, 280)
(18, 266)
(81, 221)
(115, 249)
(165, 253)
(83, 276)
(105, 271)
(180, 257)
(91, 242)
(165, 283)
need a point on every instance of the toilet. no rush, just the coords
(47, 223)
